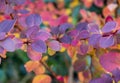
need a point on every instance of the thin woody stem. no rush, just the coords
(45, 65)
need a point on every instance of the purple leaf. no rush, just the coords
(84, 48)
(1, 50)
(79, 65)
(2, 35)
(109, 27)
(55, 30)
(64, 27)
(106, 41)
(118, 37)
(8, 9)
(22, 22)
(83, 34)
(104, 79)
(74, 42)
(54, 45)
(8, 44)
(82, 26)
(6, 25)
(93, 28)
(93, 40)
(73, 33)
(31, 31)
(41, 35)
(39, 46)
(66, 39)
(33, 55)
(18, 2)
(110, 61)
(23, 11)
(116, 75)
(18, 43)
(33, 20)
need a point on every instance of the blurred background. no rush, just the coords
(12, 68)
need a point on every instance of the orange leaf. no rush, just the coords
(42, 79)
(40, 70)
(31, 65)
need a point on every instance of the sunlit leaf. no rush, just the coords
(42, 79)
(51, 52)
(31, 65)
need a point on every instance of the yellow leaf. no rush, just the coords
(17, 35)
(74, 3)
(51, 52)
(62, 49)
(31, 65)
(44, 58)
(68, 11)
(42, 79)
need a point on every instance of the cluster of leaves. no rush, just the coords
(83, 46)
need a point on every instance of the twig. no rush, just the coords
(53, 74)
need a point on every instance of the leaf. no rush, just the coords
(33, 20)
(54, 45)
(39, 70)
(7, 25)
(110, 61)
(19, 2)
(62, 19)
(66, 39)
(2, 35)
(84, 48)
(55, 30)
(99, 3)
(8, 44)
(93, 40)
(116, 75)
(79, 65)
(108, 18)
(39, 46)
(82, 26)
(93, 28)
(33, 55)
(64, 27)
(31, 65)
(42, 35)
(51, 52)
(105, 42)
(42, 79)
(109, 27)
(2, 52)
(31, 31)
(83, 34)
(104, 79)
